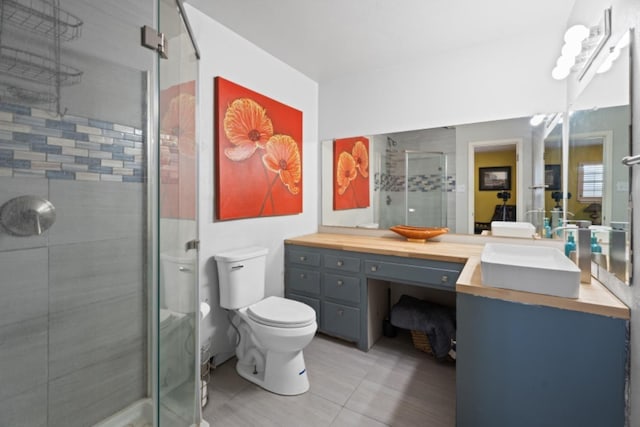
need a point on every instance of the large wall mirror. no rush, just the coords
(599, 137)
(450, 176)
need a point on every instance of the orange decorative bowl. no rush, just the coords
(418, 234)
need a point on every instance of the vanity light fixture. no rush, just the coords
(581, 45)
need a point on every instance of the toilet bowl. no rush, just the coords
(273, 330)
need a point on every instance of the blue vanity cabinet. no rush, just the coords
(302, 277)
(530, 365)
(334, 283)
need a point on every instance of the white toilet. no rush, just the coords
(273, 330)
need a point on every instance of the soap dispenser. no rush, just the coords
(570, 246)
(595, 246)
(547, 228)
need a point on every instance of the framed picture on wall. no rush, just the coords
(552, 177)
(495, 178)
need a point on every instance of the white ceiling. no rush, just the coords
(326, 38)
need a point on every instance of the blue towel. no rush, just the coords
(436, 321)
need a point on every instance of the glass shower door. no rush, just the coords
(425, 189)
(177, 321)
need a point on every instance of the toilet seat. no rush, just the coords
(281, 313)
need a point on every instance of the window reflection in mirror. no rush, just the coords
(599, 138)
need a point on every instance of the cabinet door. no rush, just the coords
(303, 280)
(308, 257)
(341, 287)
(341, 262)
(341, 320)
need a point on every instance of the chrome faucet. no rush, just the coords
(583, 256)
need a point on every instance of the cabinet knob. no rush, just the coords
(302, 275)
(340, 312)
(444, 278)
(374, 268)
(340, 283)
(303, 258)
(340, 263)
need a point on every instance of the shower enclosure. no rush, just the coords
(97, 155)
(413, 189)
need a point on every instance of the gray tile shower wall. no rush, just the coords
(38, 143)
(73, 301)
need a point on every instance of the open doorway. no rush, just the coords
(495, 183)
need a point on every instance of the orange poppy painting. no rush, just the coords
(351, 173)
(258, 154)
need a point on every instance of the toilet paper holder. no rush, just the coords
(27, 215)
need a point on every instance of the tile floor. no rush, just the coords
(391, 385)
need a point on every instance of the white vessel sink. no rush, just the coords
(512, 229)
(537, 269)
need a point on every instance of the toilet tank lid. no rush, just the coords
(241, 254)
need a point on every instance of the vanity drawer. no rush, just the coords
(428, 276)
(339, 262)
(342, 287)
(341, 320)
(311, 302)
(303, 257)
(306, 281)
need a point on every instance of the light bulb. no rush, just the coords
(566, 61)
(559, 72)
(571, 48)
(605, 66)
(537, 119)
(576, 33)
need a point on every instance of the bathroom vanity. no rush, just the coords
(340, 277)
(522, 358)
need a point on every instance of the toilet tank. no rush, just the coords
(241, 276)
(177, 280)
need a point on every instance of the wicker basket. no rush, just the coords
(421, 341)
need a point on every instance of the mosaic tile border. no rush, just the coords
(38, 143)
(417, 183)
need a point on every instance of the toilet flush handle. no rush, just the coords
(184, 269)
(237, 267)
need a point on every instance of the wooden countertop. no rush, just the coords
(437, 251)
(594, 298)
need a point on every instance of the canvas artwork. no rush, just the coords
(177, 151)
(350, 173)
(258, 154)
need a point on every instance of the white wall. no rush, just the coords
(226, 54)
(505, 79)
